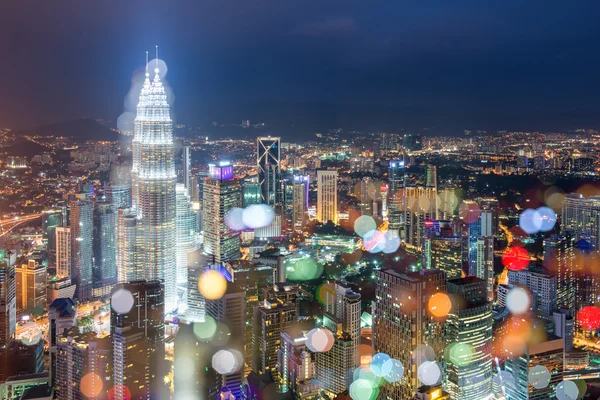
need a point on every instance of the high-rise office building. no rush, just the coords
(444, 253)
(187, 169)
(187, 241)
(62, 316)
(268, 156)
(196, 304)
(271, 317)
(342, 318)
(230, 309)
(63, 252)
(549, 354)
(580, 218)
(118, 189)
(51, 219)
(300, 188)
(402, 322)
(8, 311)
(396, 183)
(559, 259)
(31, 287)
(543, 288)
(82, 236)
(296, 366)
(104, 273)
(485, 263)
(139, 341)
(221, 193)
(79, 354)
(128, 269)
(469, 323)
(327, 196)
(419, 204)
(153, 187)
(431, 176)
(251, 193)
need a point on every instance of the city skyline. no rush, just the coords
(154, 260)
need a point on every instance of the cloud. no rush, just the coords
(327, 27)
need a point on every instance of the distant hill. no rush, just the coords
(24, 148)
(78, 129)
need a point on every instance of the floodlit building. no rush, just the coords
(153, 179)
(221, 193)
(327, 196)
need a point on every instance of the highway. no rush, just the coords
(8, 224)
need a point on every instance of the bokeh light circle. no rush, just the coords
(234, 219)
(319, 340)
(91, 385)
(364, 224)
(227, 362)
(515, 258)
(461, 354)
(423, 353)
(212, 285)
(363, 389)
(429, 373)
(205, 330)
(374, 241)
(539, 377)
(530, 221)
(257, 216)
(303, 269)
(122, 301)
(377, 363)
(567, 390)
(518, 301)
(588, 318)
(439, 305)
(392, 370)
(392, 241)
(548, 218)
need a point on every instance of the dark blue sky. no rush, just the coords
(372, 64)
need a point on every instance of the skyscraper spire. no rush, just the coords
(147, 74)
(156, 69)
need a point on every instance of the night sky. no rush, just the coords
(520, 64)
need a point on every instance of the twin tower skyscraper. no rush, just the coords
(149, 250)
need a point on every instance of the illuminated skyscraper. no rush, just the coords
(139, 342)
(127, 267)
(485, 263)
(268, 156)
(153, 187)
(431, 176)
(31, 286)
(342, 318)
(419, 204)
(469, 324)
(559, 258)
(82, 233)
(300, 190)
(327, 196)
(549, 354)
(8, 311)
(118, 189)
(105, 248)
(445, 254)
(581, 218)
(396, 183)
(402, 322)
(221, 193)
(187, 169)
(251, 193)
(63, 251)
(187, 240)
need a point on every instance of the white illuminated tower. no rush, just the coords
(153, 187)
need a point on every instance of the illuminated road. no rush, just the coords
(8, 224)
(581, 342)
